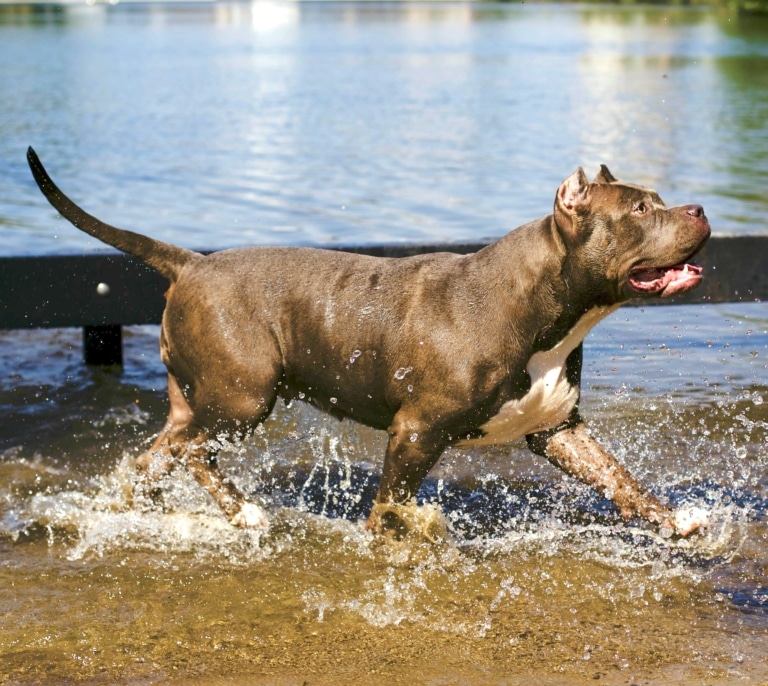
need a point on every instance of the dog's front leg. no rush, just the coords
(411, 453)
(576, 452)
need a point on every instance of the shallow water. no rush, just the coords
(534, 576)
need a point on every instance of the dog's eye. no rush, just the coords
(640, 208)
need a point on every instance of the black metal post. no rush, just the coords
(103, 345)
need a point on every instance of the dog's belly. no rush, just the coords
(550, 398)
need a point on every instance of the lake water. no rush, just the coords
(266, 123)
(287, 123)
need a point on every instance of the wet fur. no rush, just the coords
(436, 349)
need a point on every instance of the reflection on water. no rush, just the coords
(271, 123)
(535, 576)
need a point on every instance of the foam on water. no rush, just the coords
(102, 518)
(625, 546)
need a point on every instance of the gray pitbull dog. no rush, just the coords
(438, 350)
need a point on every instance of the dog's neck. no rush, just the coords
(530, 266)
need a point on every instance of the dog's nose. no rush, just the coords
(698, 220)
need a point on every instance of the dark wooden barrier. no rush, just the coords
(102, 292)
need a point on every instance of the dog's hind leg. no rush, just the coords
(200, 458)
(159, 460)
(183, 442)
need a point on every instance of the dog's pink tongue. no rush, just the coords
(668, 281)
(682, 279)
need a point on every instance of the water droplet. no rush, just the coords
(741, 452)
(401, 373)
(302, 395)
(410, 388)
(757, 399)
(414, 437)
(334, 401)
(355, 354)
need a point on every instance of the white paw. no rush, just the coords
(251, 516)
(689, 519)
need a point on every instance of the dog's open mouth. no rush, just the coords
(665, 281)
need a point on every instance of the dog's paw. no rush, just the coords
(397, 521)
(690, 519)
(251, 516)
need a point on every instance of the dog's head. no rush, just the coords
(627, 238)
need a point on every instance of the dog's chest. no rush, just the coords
(550, 398)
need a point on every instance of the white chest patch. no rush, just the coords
(550, 398)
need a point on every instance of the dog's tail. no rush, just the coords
(166, 258)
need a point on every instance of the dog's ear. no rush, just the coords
(573, 197)
(604, 175)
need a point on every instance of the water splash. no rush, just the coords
(122, 416)
(102, 520)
